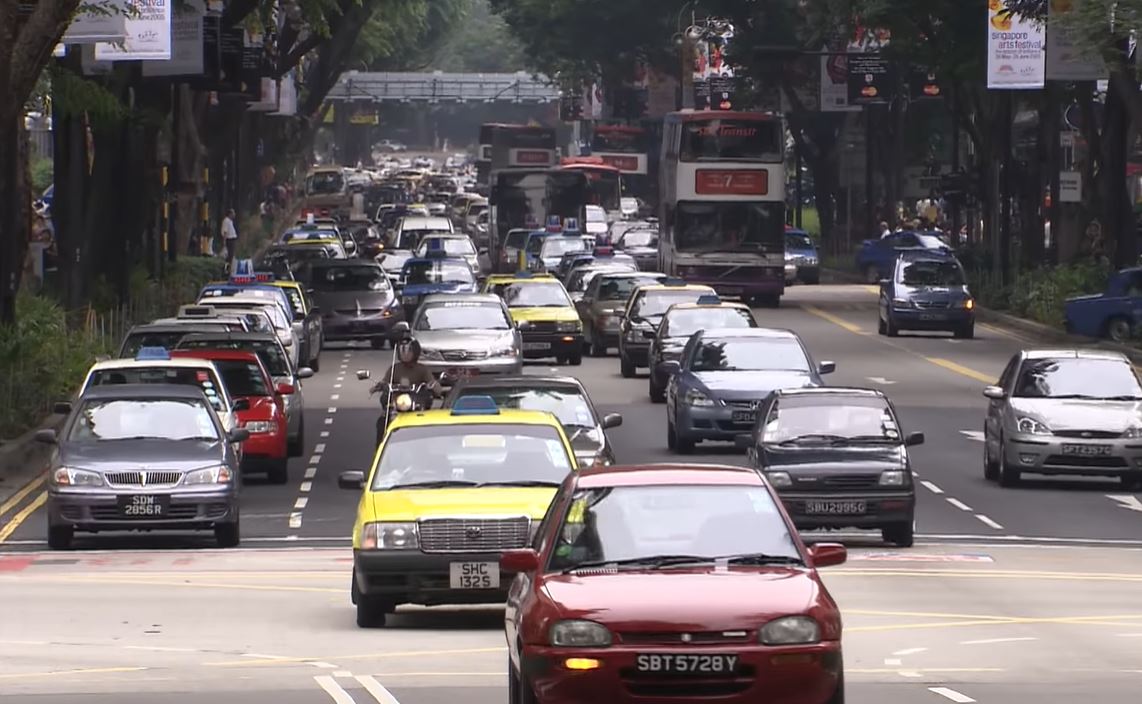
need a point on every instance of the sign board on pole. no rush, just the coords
(148, 34)
(1065, 59)
(1070, 187)
(187, 56)
(1015, 50)
(835, 84)
(105, 23)
(872, 79)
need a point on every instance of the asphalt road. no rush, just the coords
(1010, 595)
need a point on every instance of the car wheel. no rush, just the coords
(768, 300)
(59, 537)
(315, 363)
(890, 328)
(372, 612)
(520, 690)
(1131, 480)
(279, 471)
(228, 535)
(965, 332)
(297, 445)
(839, 693)
(671, 436)
(576, 359)
(1118, 329)
(657, 393)
(682, 444)
(1008, 477)
(626, 366)
(990, 466)
(899, 534)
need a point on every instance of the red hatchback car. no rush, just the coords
(246, 377)
(671, 583)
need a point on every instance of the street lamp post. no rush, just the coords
(685, 41)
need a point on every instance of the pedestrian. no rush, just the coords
(230, 237)
(885, 231)
(266, 210)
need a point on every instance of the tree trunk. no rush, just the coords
(1118, 227)
(15, 213)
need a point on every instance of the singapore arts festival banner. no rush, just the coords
(1016, 52)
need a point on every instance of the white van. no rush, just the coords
(411, 229)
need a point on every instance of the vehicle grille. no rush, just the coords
(1087, 434)
(177, 512)
(701, 638)
(931, 305)
(473, 534)
(1075, 461)
(365, 312)
(749, 405)
(463, 355)
(851, 481)
(541, 326)
(142, 478)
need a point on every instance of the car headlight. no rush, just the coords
(261, 426)
(1133, 432)
(390, 536)
(811, 261)
(569, 326)
(790, 630)
(779, 479)
(65, 476)
(892, 477)
(432, 355)
(697, 398)
(1031, 426)
(580, 634)
(966, 304)
(901, 303)
(508, 351)
(212, 475)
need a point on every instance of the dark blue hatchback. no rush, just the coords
(927, 291)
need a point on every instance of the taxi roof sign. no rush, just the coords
(480, 405)
(553, 224)
(244, 267)
(196, 311)
(571, 226)
(152, 354)
(709, 300)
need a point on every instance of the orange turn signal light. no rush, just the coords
(582, 664)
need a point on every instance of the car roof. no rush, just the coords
(697, 306)
(529, 380)
(158, 391)
(924, 254)
(444, 417)
(833, 391)
(764, 333)
(180, 362)
(442, 260)
(358, 261)
(319, 241)
(632, 275)
(461, 297)
(667, 474)
(236, 335)
(1073, 354)
(221, 355)
(665, 287)
(207, 327)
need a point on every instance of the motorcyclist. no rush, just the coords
(408, 371)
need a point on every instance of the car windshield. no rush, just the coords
(930, 273)
(325, 183)
(394, 261)
(686, 322)
(639, 238)
(558, 246)
(307, 253)
(242, 378)
(619, 288)
(201, 377)
(516, 239)
(452, 246)
(798, 241)
(796, 419)
(437, 273)
(270, 352)
(566, 403)
(641, 523)
(428, 456)
(535, 295)
(582, 277)
(277, 317)
(749, 355)
(1078, 378)
(351, 277)
(462, 315)
(655, 303)
(100, 420)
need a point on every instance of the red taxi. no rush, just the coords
(246, 377)
(671, 583)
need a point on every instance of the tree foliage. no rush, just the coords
(481, 42)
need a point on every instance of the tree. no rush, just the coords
(481, 43)
(28, 33)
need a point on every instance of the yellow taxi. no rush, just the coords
(307, 322)
(448, 492)
(548, 321)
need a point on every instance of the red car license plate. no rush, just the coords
(686, 663)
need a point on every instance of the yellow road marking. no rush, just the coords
(357, 656)
(22, 515)
(893, 671)
(962, 370)
(872, 289)
(19, 495)
(925, 614)
(1004, 333)
(855, 329)
(932, 625)
(209, 585)
(58, 673)
(1005, 574)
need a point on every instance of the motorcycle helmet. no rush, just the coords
(409, 347)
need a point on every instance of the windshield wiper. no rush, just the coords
(870, 439)
(521, 483)
(440, 484)
(813, 437)
(654, 561)
(760, 558)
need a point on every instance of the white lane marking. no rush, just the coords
(989, 641)
(893, 662)
(290, 538)
(335, 397)
(951, 341)
(306, 487)
(160, 649)
(976, 435)
(295, 520)
(334, 690)
(319, 448)
(880, 380)
(347, 355)
(915, 474)
(951, 694)
(340, 378)
(932, 488)
(329, 421)
(959, 504)
(375, 688)
(1129, 635)
(324, 665)
(324, 433)
(332, 410)
(909, 673)
(988, 522)
(342, 673)
(1126, 501)
(310, 472)
(909, 651)
(300, 503)
(263, 656)
(315, 459)
(337, 386)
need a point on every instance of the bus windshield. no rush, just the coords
(730, 227)
(526, 197)
(731, 140)
(619, 140)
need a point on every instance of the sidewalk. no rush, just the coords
(23, 462)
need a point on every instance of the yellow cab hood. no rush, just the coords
(413, 504)
(555, 315)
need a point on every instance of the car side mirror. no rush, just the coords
(238, 435)
(363, 374)
(743, 441)
(995, 393)
(47, 436)
(826, 368)
(612, 420)
(668, 368)
(401, 328)
(242, 404)
(828, 554)
(61, 408)
(526, 560)
(285, 389)
(352, 480)
(305, 373)
(913, 439)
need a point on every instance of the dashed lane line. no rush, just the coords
(909, 651)
(329, 421)
(334, 690)
(839, 322)
(324, 433)
(335, 397)
(959, 504)
(377, 690)
(306, 487)
(319, 448)
(932, 487)
(893, 661)
(300, 503)
(951, 694)
(988, 522)
(332, 410)
(310, 473)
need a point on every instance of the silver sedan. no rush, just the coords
(467, 335)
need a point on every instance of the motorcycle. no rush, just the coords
(396, 399)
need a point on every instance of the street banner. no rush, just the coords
(1015, 50)
(871, 79)
(106, 22)
(148, 34)
(835, 84)
(187, 57)
(1066, 61)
